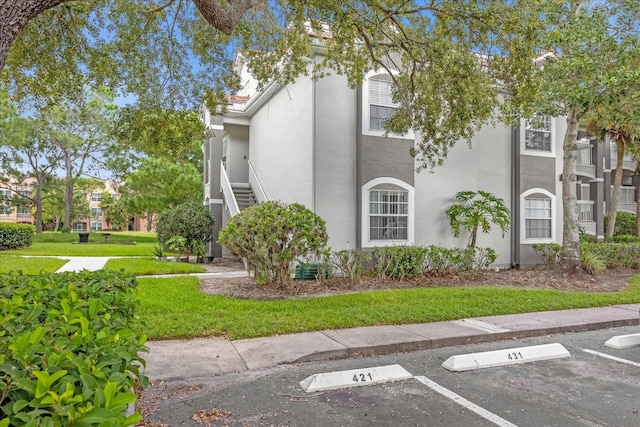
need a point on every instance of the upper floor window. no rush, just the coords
(381, 105)
(378, 105)
(96, 212)
(96, 197)
(5, 202)
(538, 135)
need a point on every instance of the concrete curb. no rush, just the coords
(198, 359)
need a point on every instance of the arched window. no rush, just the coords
(538, 216)
(387, 212)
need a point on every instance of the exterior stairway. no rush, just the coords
(243, 194)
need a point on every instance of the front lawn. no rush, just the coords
(67, 244)
(30, 266)
(175, 308)
(145, 266)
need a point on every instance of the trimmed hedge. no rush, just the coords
(15, 236)
(68, 350)
(614, 255)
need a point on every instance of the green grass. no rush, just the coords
(175, 308)
(143, 266)
(30, 266)
(66, 244)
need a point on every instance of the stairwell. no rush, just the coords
(243, 194)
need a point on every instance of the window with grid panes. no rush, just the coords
(388, 214)
(537, 134)
(5, 202)
(538, 216)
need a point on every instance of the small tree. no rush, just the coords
(192, 221)
(271, 235)
(477, 210)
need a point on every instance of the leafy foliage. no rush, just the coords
(614, 255)
(477, 210)
(549, 252)
(69, 353)
(272, 235)
(187, 224)
(398, 262)
(160, 183)
(625, 223)
(348, 262)
(15, 236)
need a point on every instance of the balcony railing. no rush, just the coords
(585, 210)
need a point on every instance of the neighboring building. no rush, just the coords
(18, 214)
(97, 220)
(322, 144)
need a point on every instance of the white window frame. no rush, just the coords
(96, 197)
(523, 219)
(366, 106)
(94, 227)
(99, 213)
(365, 220)
(541, 153)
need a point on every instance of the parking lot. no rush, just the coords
(584, 389)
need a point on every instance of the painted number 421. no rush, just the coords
(360, 378)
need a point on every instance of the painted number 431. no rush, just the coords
(360, 378)
(515, 356)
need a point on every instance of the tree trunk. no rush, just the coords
(474, 234)
(68, 191)
(570, 262)
(638, 204)
(14, 16)
(617, 183)
(39, 204)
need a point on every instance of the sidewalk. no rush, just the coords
(185, 360)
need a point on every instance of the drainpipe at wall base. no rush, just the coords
(515, 184)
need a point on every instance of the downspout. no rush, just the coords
(313, 142)
(515, 196)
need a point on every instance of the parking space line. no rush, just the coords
(608, 356)
(490, 416)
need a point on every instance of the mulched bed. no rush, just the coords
(246, 287)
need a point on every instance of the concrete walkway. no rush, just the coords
(79, 263)
(198, 359)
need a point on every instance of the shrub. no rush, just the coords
(348, 262)
(272, 235)
(591, 263)
(68, 353)
(625, 238)
(614, 255)
(192, 221)
(477, 210)
(441, 261)
(398, 262)
(15, 236)
(625, 223)
(549, 252)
